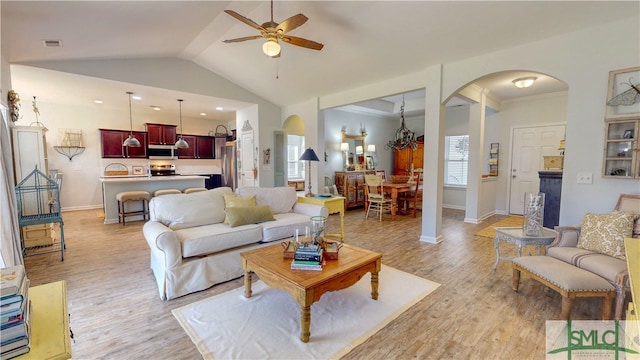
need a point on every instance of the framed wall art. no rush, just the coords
(137, 170)
(623, 95)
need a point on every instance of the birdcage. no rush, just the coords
(38, 198)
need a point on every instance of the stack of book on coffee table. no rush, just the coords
(307, 257)
(15, 312)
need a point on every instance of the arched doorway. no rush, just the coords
(525, 123)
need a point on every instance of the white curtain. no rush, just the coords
(10, 249)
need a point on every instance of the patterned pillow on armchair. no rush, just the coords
(605, 233)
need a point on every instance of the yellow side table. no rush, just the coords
(49, 323)
(335, 204)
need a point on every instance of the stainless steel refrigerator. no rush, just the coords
(229, 166)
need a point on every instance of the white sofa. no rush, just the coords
(193, 249)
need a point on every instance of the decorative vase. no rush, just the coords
(318, 224)
(533, 214)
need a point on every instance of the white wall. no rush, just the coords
(583, 60)
(379, 132)
(549, 109)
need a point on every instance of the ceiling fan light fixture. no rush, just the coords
(524, 82)
(271, 47)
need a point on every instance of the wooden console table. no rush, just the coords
(50, 333)
(335, 204)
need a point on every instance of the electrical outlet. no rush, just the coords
(585, 178)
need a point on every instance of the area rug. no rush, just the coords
(490, 231)
(267, 325)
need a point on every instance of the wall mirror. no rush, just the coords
(354, 158)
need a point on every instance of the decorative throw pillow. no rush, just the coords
(238, 201)
(248, 215)
(605, 233)
(636, 227)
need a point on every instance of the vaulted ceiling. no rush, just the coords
(364, 41)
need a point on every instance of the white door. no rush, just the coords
(529, 146)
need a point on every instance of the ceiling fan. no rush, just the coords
(272, 32)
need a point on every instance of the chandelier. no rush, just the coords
(405, 138)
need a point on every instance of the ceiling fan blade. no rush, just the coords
(292, 23)
(245, 20)
(243, 39)
(302, 42)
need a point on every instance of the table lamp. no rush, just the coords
(309, 155)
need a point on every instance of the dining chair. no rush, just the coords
(375, 196)
(412, 197)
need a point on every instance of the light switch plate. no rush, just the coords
(585, 178)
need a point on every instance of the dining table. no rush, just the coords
(394, 189)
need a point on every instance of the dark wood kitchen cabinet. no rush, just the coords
(111, 141)
(200, 147)
(161, 134)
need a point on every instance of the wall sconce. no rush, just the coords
(524, 82)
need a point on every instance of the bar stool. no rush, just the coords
(125, 196)
(192, 190)
(166, 192)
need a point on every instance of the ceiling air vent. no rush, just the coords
(52, 43)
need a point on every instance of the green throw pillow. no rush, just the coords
(248, 215)
(238, 201)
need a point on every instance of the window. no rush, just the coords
(456, 157)
(295, 147)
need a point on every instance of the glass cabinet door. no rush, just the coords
(621, 149)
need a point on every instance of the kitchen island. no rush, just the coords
(112, 185)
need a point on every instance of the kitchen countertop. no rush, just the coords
(137, 178)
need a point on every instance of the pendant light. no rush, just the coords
(404, 138)
(181, 143)
(131, 141)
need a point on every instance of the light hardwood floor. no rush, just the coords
(116, 312)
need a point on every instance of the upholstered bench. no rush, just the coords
(568, 280)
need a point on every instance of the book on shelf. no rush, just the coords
(15, 304)
(13, 344)
(20, 329)
(11, 279)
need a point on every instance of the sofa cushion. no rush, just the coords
(285, 226)
(179, 211)
(280, 199)
(237, 216)
(603, 265)
(209, 239)
(605, 233)
(568, 254)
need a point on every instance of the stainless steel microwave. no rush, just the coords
(162, 152)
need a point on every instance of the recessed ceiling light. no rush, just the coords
(136, 97)
(203, 114)
(156, 108)
(52, 43)
(219, 108)
(97, 101)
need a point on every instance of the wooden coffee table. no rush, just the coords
(306, 286)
